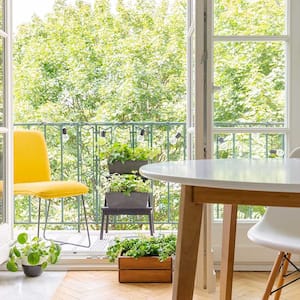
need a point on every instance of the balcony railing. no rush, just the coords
(75, 148)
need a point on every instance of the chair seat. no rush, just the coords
(51, 189)
(275, 237)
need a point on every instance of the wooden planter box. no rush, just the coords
(120, 200)
(127, 167)
(144, 269)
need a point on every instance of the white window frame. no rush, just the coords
(6, 229)
(249, 256)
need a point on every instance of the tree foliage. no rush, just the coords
(90, 63)
(250, 74)
(95, 63)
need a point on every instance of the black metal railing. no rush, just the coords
(75, 153)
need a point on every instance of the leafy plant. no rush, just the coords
(161, 246)
(127, 183)
(32, 252)
(123, 152)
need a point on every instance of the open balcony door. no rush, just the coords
(201, 59)
(198, 123)
(6, 180)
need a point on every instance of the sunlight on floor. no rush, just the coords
(16, 286)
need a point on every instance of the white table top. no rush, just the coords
(243, 174)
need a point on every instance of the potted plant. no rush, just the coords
(127, 191)
(122, 159)
(33, 254)
(127, 194)
(145, 259)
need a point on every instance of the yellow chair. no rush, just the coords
(32, 177)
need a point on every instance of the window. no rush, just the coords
(5, 129)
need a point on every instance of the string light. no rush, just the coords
(141, 136)
(103, 133)
(65, 136)
(174, 138)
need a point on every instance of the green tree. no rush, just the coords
(84, 63)
(250, 74)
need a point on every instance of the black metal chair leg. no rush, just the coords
(39, 219)
(151, 223)
(86, 222)
(102, 226)
(106, 224)
(67, 243)
(78, 213)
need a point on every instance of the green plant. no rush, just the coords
(32, 252)
(123, 152)
(127, 183)
(161, 246)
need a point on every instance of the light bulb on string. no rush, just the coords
(65, 136)
(141, 136)
(280, 152)
(103, 133)
(174, 138)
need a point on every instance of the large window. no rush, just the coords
(249, 96)
(253, 93)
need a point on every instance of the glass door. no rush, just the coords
(249, 80)
(6, 195)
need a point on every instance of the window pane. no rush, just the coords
(250, 81)
(249, 17)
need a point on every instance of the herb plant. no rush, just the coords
(32, 252)
(127, 183)
(123, 152)
(161, 246)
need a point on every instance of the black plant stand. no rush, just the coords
(126, 168)
(106, 212)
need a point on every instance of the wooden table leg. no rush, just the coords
(228, 247)
(187, 245)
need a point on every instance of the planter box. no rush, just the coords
(120, 200)
(127, 167)
(144, 269)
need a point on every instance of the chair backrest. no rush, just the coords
(295, 153)
(31, 162)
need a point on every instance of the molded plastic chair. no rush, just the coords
(32, 177)
(279, 229)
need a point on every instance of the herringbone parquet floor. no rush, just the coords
(104, 285)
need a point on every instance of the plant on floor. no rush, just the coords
(32, 252)
(162, 246)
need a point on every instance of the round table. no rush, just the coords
(269, 182)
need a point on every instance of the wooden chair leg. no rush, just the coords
(281, 276)
(273, 275)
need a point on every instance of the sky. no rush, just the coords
(24, 9)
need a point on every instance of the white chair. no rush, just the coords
(279, 229)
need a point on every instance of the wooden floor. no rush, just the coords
(104, 285)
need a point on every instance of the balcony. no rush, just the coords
(75, 148)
